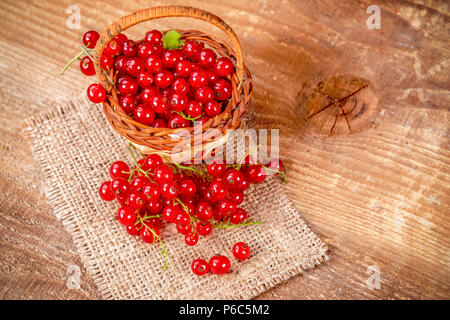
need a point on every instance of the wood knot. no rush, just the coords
(339, 105)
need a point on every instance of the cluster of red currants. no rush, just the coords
(162, 81)
(220, 264)
(155, 193)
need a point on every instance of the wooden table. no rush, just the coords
(379, 197)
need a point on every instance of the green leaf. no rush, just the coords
(171, 40)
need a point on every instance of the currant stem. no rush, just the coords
(130, 148)
(164, 252)
(187, 117)
(192, 219)
(241, 161)
(179, 166)
(280, 172)
(70, 62)
(86, 51)
(234, 226)
(145, 218)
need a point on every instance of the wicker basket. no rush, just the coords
(163, 140)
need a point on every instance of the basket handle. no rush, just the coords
(157, 13)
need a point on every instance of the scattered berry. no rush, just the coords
(241, 251)
(200, 267)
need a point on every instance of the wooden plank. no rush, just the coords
(379, 197)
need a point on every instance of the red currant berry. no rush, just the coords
(119, 169)
(150, 190)
(120, 63)
(219, 264)
(236, 196)
(149, 235)
(191, 239)
(128, 85)
(105, 191)
(207, 58)
(159, 104)
(194, 109)
(162, 173)
(159, 123)
(184, 229)
(170, 58)
(256, 173)
(121, 76)
(182, 218)
(153, 64)
(217, 190)
(126, 215)
(87, 66)
(183, 68)
(106, 61)
(153, 37)
(177, 101)
(169, 190)
(153, 160)
(241, 251)
(114, 47)
(120, 38)
(239, 216)
(180, 85)
(204, 94)
(170, 213)
(122, 199)
(147, 94)
(163, 79)
(204, 228)
(167, 114)
(204, 210)
(177, 121)
(212, 108)
(134, 66)
(191, 50)
(233, 178)
(154, 206)
(159, 49)
(226, 208)
(90, 38)
(198, 78)
(145, 79)
(188, 188)
(96, 93)
(199, 267)
(138, 183)
(128, 103)
(136, 200)
(134, 229)
(216, 169)
(144, 114)
(222, 89)
(212, 76)
(224, 66)
(146, 50)
(141, 165)
(120, 186)
(129, 48)
(244, 184)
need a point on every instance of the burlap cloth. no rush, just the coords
(74, 147)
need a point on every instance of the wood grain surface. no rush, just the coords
(379, 197)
